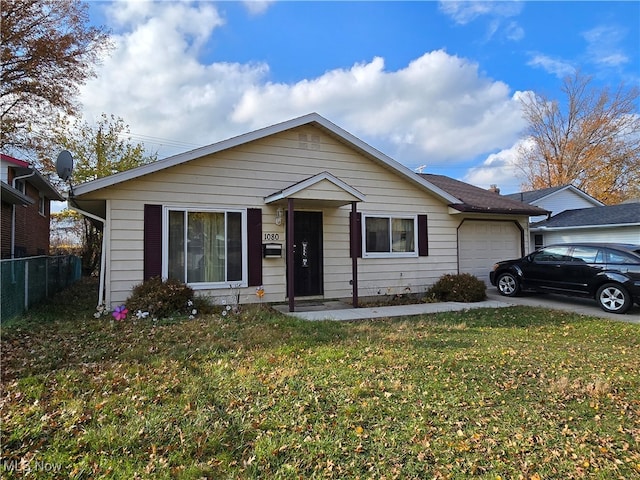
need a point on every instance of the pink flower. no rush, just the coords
(120, 313)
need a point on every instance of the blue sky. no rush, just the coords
(427, 83)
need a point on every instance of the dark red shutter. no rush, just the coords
(423, 236)
(254, 246)
(357, 237)
(152, 241)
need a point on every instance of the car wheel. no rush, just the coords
(508, 285)
(613, 298)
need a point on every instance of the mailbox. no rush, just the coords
(272, 250)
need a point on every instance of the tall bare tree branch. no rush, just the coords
(592, 141)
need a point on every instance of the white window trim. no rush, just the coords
(42, 206)
(191, 208)
(391, 254)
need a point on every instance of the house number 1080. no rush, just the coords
(271, 236)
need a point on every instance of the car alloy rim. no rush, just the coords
(612, 298)
(507, 284)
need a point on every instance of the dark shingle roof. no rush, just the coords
(477, 199)
(625, 213)
(533, 195)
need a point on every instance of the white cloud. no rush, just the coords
(465, 12)
(500, 169)
(558, 67)
(257, 7)
(603, 45)
(439, 108)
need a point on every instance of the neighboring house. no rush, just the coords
(612, 223)
(578, 217)
(556, 200)
(26, 200)
(302, 208)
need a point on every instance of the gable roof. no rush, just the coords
(543, 193)
(309, 119)
(475, 199)
(342, 192)
(625, 214)
(34, 177)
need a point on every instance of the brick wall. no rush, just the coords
(32, 228)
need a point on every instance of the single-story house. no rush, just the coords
(609, 223)
(26, 202)
(573, 221)
(303, 209)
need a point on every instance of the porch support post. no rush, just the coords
(354, 253)
(290, 259)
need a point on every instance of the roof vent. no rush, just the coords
(309, 142)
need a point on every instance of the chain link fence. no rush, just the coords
(27, 281)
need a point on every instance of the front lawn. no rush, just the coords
(493, 393)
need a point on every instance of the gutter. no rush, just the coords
(583, 227)
(103, 259)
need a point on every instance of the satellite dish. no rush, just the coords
(64, 165)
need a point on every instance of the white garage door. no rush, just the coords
(483, 243)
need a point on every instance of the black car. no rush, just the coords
(608, 272)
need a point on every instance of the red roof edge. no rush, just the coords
(10, 159)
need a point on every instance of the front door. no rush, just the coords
(307, 256)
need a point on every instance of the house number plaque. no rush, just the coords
(271, 237)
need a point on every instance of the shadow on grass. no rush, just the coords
(63, 333)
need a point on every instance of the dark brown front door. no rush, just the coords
(307, 257)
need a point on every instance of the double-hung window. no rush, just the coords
(386, 236)
(206, 247)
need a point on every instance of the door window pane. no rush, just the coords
(585, 254)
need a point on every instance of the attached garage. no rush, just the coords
(481, 243)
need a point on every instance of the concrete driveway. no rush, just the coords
(583, 306)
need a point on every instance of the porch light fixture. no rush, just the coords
(279, 215)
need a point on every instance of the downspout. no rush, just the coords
(103, 257)
(13, 213)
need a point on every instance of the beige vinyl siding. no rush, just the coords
(243, 176)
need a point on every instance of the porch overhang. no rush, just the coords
(321, 190)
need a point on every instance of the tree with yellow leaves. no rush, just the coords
(591, 142)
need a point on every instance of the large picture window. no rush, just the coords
(385, 236)
(205, 247)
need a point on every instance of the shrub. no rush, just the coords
(161, 298)
(462, 287)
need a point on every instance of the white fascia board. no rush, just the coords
(300, 186)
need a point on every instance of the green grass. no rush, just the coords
(491, 393)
